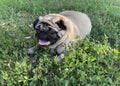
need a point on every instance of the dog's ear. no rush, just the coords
(61, 24)
(36, 22)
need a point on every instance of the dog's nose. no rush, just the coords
(44, 37)
(41, 35)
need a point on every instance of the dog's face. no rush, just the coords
(47, 31)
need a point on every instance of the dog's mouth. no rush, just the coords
(44, 43)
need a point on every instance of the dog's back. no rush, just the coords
(81, 20)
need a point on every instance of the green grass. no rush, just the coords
(94, 61)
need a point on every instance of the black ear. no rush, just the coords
(35, 22)
(61, 25)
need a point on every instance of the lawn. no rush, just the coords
(94, 61)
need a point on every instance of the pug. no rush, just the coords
(58, 30)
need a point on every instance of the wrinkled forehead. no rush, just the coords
(50, 20)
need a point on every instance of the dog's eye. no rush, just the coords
(37, 28)
(51, 31)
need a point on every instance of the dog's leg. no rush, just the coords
(58, 51)
(31, 51)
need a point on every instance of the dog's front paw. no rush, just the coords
(30, 51)
(61, 57)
